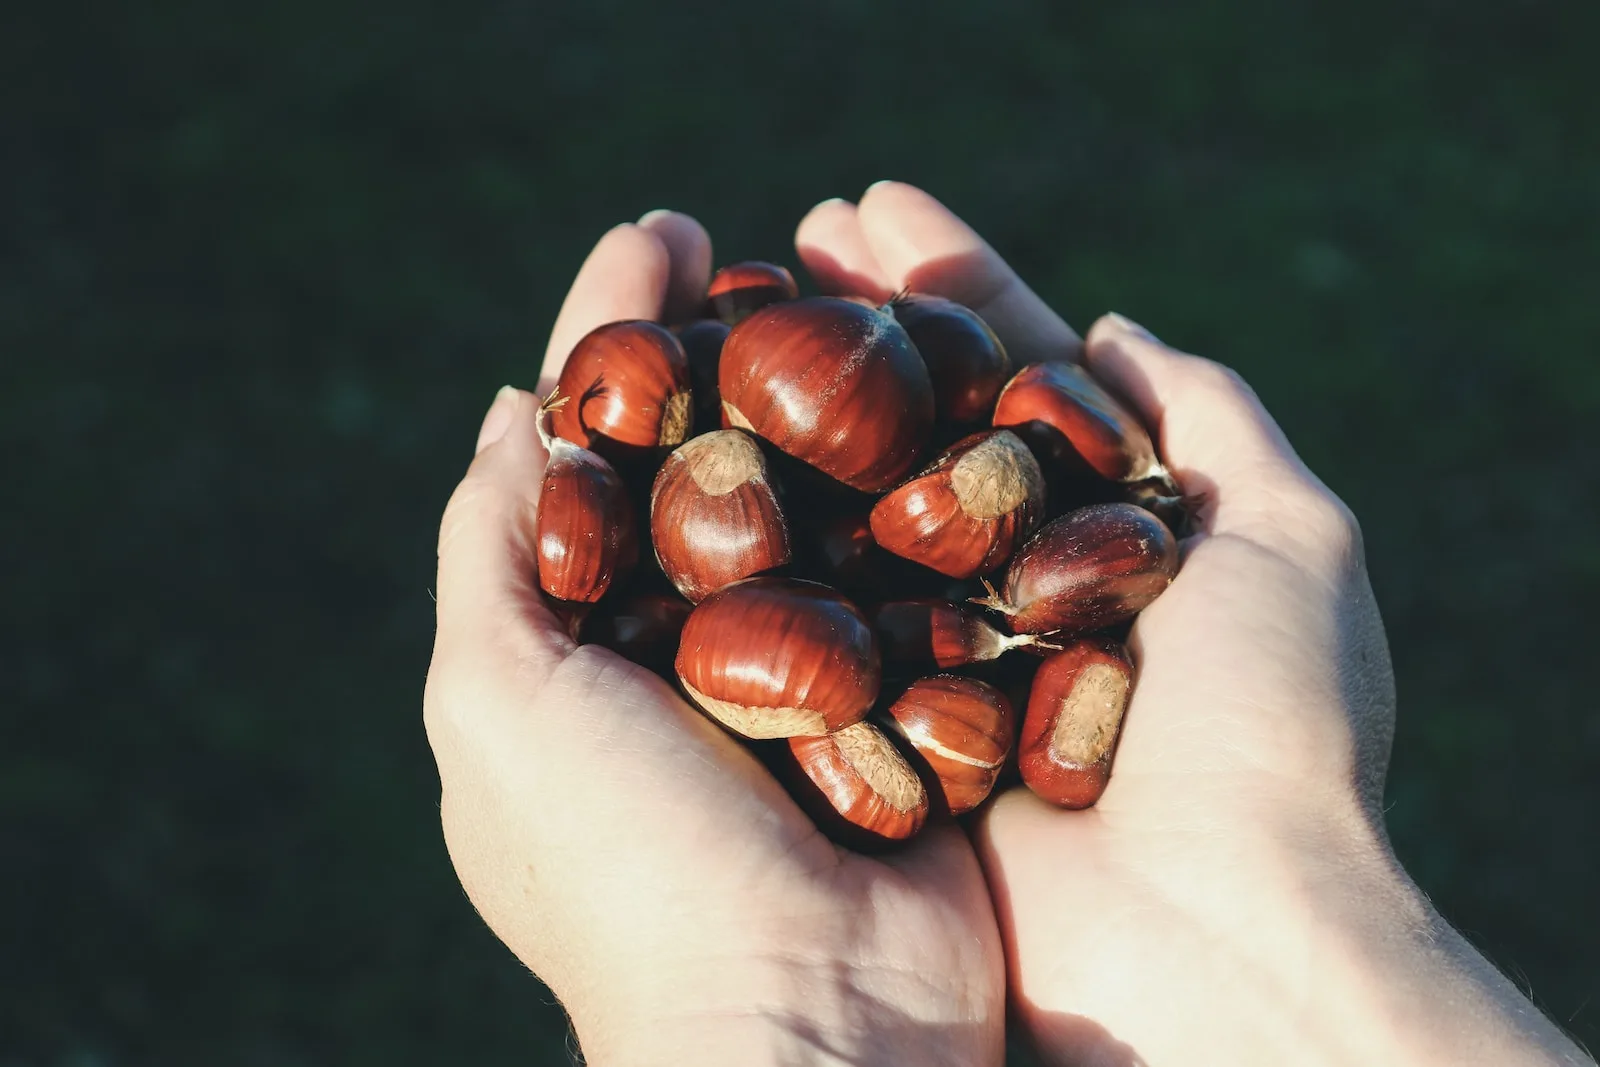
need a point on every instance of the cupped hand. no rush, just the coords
(1232, 898)
(634, 856)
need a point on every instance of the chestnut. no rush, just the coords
(779, 657)
(965, 514)
(966, 361)
(862, 789)
(962, 728)
(642, 627)
(702, 345)
(932, 634)
(740, 288)
(1074, 717)
(1089, 569)
(833, 383)
(628, 391)
(1072, 423)
(584, 537)
(714, 514)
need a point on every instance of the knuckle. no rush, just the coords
(1328, 525)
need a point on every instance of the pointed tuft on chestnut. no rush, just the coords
(741, 288)
(778, 657)
(966, 361)
(584, 537)
(1073, 424)
(962, 729)
(965, 514)
(863, 791)
(702, 344)
(628, 391)
(1074, 717)
(830, 382)
(931, 634)
(714, 514)
(1091, 568)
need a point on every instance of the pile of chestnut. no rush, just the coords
(851, 517)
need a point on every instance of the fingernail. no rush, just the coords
(881, 182)
(1127, 325)
(650, 216)
(498, 420)
(831, 201)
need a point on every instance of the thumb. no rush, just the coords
(488, 595)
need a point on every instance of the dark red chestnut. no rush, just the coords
(642, 627)
(628, 391)
(861, 780)
(1089, 569)
(930, 634)
(966, 361)
(714, 514)
(584, 536)
(702, 344)
(832, 383)
(965, 514)
(778, 657)
(740, 288)
(1071, 422)
(1074, 717)
(962, 728)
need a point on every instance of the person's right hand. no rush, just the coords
(1232, 898)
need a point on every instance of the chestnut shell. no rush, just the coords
(1072, 423)
(962, 729)
(1074, 720)
(584, 538)
(858, 786)
(779, 657)
(833, 383)
(966, 361)
(627, 392)
(741, 288)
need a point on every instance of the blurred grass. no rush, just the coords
(262, 269)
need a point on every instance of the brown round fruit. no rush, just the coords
(740, 288)
(962, 729)
(628, 392)
(966, 361)
(1074, 717)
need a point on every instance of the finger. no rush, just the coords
(625, 277)
(924, 247)
(1221, 443)
(689, 252)
(487, 596)
(835, 252)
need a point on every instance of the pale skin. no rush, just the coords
(1232, 899)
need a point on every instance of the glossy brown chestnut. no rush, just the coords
(740, 288)
(966, 361)
(1074, 716)
(702, 344)
(864, 781)
(714, 514)
(779, 657)
(965, 514)
(1071, 422)
(1089, 569)
(931, 634)
(642, 627)
(628, 391)
(832, 383)
(585, 539)
(962, 728)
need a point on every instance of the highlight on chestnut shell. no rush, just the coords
(741, 288)
(966, 361)
(1087, 570)
(833, 383)
(965, 514)
(628, 391)
(1071, 422)
(962, 730)
(928, 634)
(714, 514)
(779, 657)
(584, 537)
(1074, 718)
(864, 791)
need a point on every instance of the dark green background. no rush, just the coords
(265, 265)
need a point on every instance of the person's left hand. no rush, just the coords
(638, 859)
